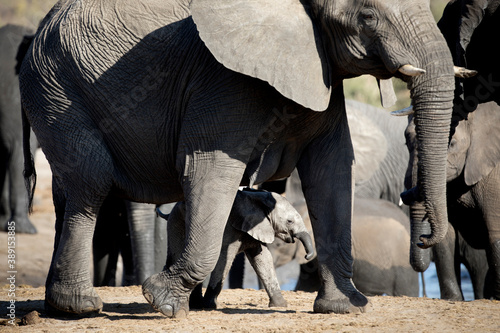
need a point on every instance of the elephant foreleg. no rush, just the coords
(262, 262)
(326, 172)
(448, 267)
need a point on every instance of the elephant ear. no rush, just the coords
(272, 40)
(250, 215)
(484, 151)
(368, 141)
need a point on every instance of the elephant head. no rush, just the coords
(304, 49)
(266, 215)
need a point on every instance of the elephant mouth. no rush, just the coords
(289, 239)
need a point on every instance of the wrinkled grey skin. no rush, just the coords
(14, 199)
(175, 108)
(473, 177)
(257, 217)
(381, 243)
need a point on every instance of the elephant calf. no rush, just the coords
(257, 217)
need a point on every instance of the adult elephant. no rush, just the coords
(473, 191)
(14, 199)
(142, 100)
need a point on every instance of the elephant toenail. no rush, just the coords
(167, 310)
(148, 297)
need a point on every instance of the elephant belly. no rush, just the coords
(270, 166)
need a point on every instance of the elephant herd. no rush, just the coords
(143, 103)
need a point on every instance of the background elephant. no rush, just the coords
(173, 108)
(13, 199)
(132, 230)
(473, 194)
(257, 217)
(379, 148)
(380, 246)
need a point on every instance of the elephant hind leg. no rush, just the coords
(209, 191)
(81, 185)
(69, 287)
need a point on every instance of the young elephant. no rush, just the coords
(257, 217)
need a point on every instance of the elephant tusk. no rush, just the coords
(463, 72)
(411, 70)
(404, 112)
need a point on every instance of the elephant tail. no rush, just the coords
(29, 161)
(22, 50)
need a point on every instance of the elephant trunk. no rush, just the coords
(419, 258)
(432, 97)
(306, 240)
(432, 120)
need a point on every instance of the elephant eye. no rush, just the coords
(289, 222)
(453, 144)
(369, 18)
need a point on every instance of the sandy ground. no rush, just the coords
(242, 310)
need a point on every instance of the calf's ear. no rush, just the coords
(250, 215)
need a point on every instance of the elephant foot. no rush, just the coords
(158, 291)
(356, 303)
(277, 301)
(20, 226)
(61, 298)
